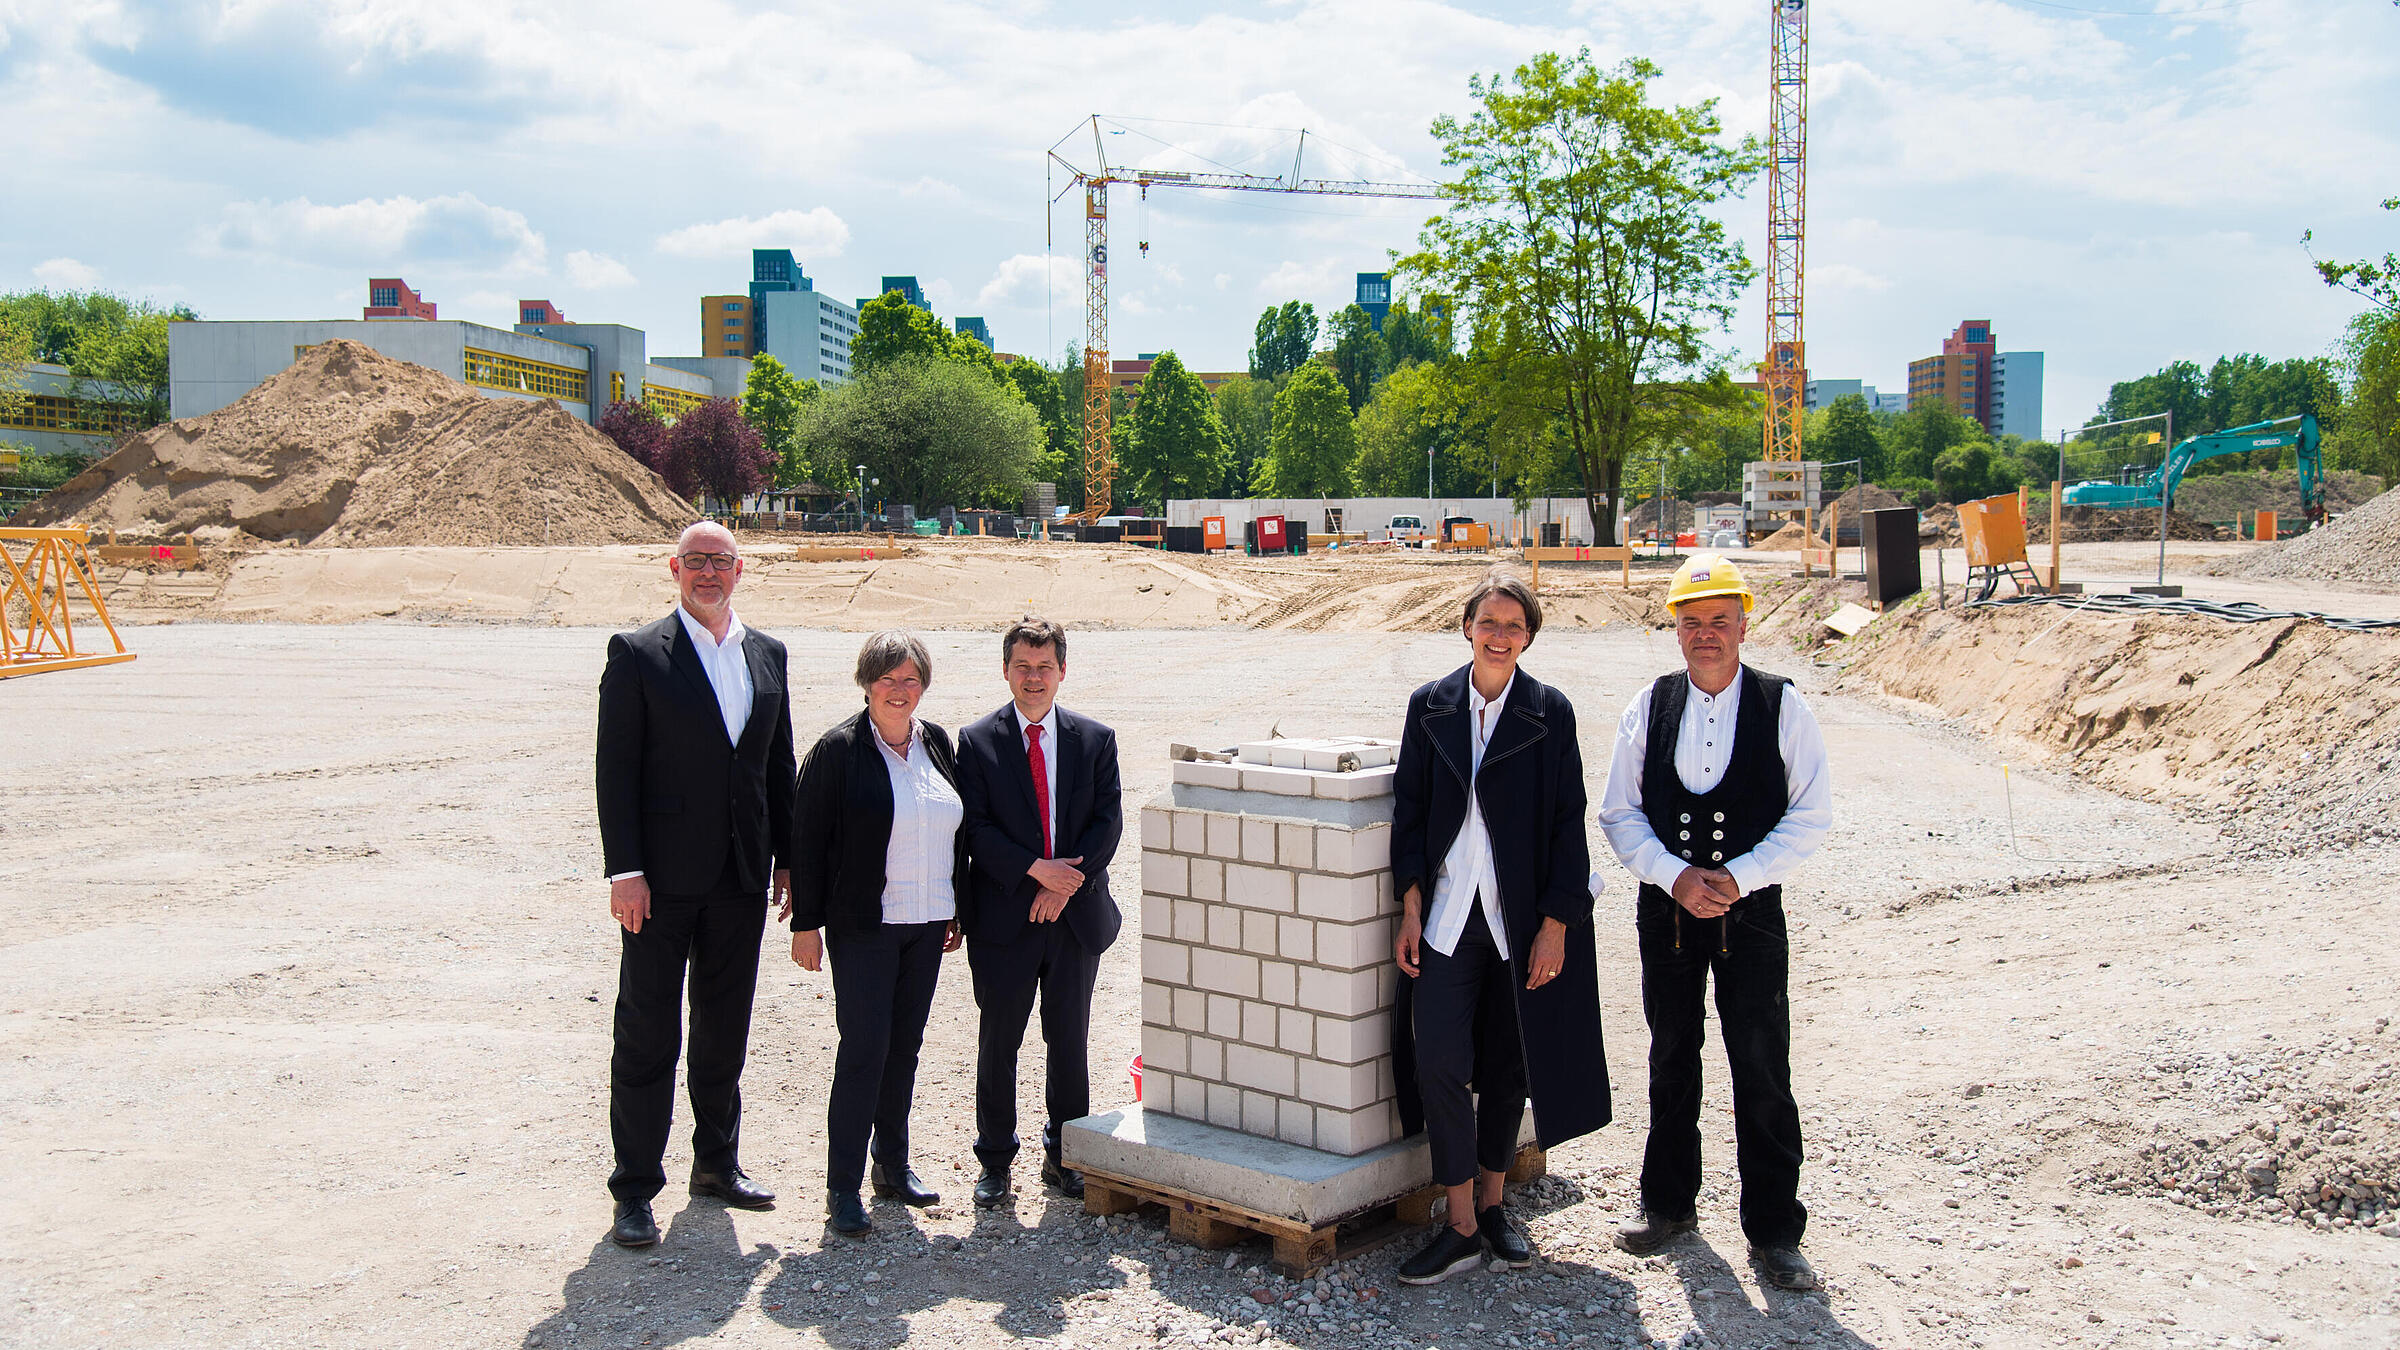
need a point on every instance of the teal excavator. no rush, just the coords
(2136, 488)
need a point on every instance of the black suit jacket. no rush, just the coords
(843, 827)
(678, 800)
(1004, 834)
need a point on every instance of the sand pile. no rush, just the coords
(1868, 498)
(1787, 540)
(2362, 547)
(351, 447)
(2278, 725)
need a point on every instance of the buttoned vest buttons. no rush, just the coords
(1687, 817)
(1718, 835)
(1716, 857)
(1720, 817)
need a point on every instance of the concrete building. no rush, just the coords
(390, 298)
(725, 326)
(1825, 393)
(1959, 379)
(810, 332)
(2017, 395)
(539, 312)
(1888, 403)
(977, 329)
(1375, 296)
(55, 420)
(1126, 376)
(908, 288)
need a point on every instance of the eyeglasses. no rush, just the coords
(1513, 631)
(701, 562)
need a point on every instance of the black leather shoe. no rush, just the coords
(991, 1189)
(734, 1189)
(1785, 1268)
(1064, 1180)
(1645, 1232)
(1502, 1238)
(903, 1186)
(1447, 1254)
(847, 1213)
(634, 1227)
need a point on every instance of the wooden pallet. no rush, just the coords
(1301, 1249)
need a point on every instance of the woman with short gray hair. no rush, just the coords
(878, 811)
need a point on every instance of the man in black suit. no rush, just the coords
(695, 777)
(1043, 816)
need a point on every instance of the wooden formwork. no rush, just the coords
(37, 633)
(1301, 1249)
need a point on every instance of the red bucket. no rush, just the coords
(1134, 1070)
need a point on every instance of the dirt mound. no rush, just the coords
(2362, 547)
(2104, 525)
(2275, 726)
(2229, 496)
(351, 447)
(1786, 540)
(1869, 498)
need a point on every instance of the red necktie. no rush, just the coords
(1041, 782)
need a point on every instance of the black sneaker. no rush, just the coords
(1446, 1255)
(1645, 1232)
(1503, 1239)
(1785, 1268)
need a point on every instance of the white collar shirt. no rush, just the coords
(919, 861)
(1467, 872)
(727, 668)
(1049, 726)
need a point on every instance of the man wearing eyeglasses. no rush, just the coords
(695, 776)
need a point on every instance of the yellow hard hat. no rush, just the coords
(1705, 575)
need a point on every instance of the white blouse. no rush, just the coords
(926, 815)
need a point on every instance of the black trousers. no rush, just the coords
(1748, 955)
(1470, 1059)
(717, 937)
(883, 980)
(1046, 960)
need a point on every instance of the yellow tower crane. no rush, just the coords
(1099, 448)
(1787, 214)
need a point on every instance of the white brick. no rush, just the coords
(1348, 946)
(1158, 827)
(1296, 846)
(1258, 1024)
(1208, 879)
(1279, 982)
(1190, 922)
(1258, 1114)
(1224, 1106)
(1352, 1132)
(1224, 972)
(1224, 1017)
(1384, 1084)
(1254, 752)
(1162, 1052)
(1191, 832)
(1280, 782)
(1296, 1123)
(1191, 1010)
(1387, 985)
(1158, 1005)
(1224, 930)
(1340, 993)
(1353, 1040)
(1224, 834)
(1158, 1092)
(1157, 916)
(1342, 899)
(1266, 1070)
(1258, 931)
(1166, 962)
(1258, 841)
(1206, 1058)
(1352, 787)
(1345, 1087)
(1200, 773)
(1166, 874)
(1259, 887)
(1297, 941)
(1353, 853)
(1296, 1031)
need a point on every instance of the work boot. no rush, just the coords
(1646, 1233)
(1785, 1268)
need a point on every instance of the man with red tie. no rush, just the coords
(1043, 813)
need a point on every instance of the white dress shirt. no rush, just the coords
(918, 862)
(728, 671)
(1703, 749)
(1467, 870)
(1049, 726)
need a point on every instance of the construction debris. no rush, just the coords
(2362, 547)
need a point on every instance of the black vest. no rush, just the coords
(1706, 829)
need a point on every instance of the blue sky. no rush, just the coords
(2118, 189)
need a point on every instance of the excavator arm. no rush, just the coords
(2299, 433)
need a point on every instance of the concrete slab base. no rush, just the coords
(2171, 592)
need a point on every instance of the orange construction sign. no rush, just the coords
(36, 631)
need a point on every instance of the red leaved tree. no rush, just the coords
(638, 432)
(720, 451)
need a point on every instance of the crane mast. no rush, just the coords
(1787, 210)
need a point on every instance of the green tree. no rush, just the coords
(890, 330)
(1583, 235)
(771, 403)
(1173, 444)
(936, 432)
(1969, 469)
(1309, 454)
(2366, 436)
(1418, 333)
(1285, 338)
(1358, 358)
(1423, 415)
(1916, 440)
(1246, 407)
(1849, 433)
(115, 348)
(16, 353)
(2377, 282)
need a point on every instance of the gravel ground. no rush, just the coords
(307, 1009)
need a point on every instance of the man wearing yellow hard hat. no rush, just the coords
(1718, 790)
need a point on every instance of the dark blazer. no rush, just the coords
(843, 826)
(676, 797)
(1532, 795)
(1004, 834)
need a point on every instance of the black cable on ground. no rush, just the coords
(2232, 611)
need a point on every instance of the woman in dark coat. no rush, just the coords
(882, 856)
(1501, 997)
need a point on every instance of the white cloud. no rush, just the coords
(460, 230)
(1223, 280)
(1294, 280)
(1017, 282)
(814, 233)
(931, 189)
(66, 274)
(1846, 277)
(597, 272)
